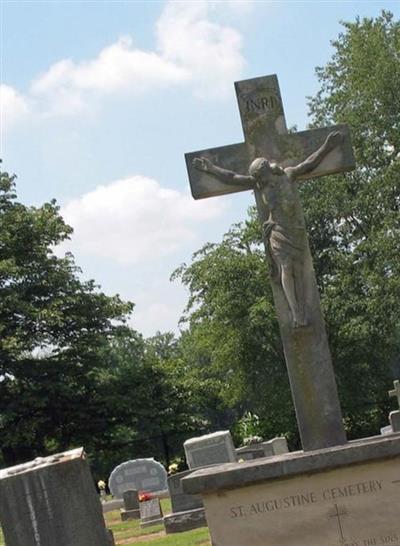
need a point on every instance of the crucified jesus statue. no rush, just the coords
(284, 232)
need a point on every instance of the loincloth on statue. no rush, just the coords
(283, 245)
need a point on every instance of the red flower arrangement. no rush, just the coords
(145, 496)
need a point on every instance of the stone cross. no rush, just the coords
(396, 392)
(271, 162)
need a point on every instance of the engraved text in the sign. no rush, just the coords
(262, 103)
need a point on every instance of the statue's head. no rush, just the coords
(260, 168)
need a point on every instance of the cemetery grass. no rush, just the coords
(155, 535)
(125, 531)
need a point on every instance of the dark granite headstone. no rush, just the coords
(131, 505)
(51, 501)
(131, 500)
(181, 501)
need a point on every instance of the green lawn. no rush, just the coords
(124, 531)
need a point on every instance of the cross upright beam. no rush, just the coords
(293, 281)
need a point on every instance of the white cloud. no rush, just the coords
(209, 51)
(191, 50)
(157, 316)
(135, 220)
(118, 68)
(13, 107)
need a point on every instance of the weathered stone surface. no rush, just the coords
(111, 539)
(394, 418)
(51, 501)
(248, 453)
(290, 464)
(180, 501)
(140, 474)
(223, 170)
(210, 449)
(347, 495)
(185, 521)
(131, 499)
(109, 506)
(130, 514)
(276, 446)
(150, 513)
(386, 430)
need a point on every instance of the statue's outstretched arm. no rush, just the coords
(309, 164)
(225, 176)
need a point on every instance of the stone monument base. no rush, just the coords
(129, 514)
(185, 521)
(151, 521)
(347, 495)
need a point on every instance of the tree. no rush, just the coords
(354, 220)
(53, 327)
(232, 347)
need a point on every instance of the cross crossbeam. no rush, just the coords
(271, 162)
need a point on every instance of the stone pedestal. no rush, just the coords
(185, 521)
(342, 496)
(187, 510)
(51, 501)
(129, 514)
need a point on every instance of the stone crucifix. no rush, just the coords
(272, 162)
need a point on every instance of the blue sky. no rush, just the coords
(101, 99)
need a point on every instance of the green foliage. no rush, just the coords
(248, 429)
(232, 347)
(354, 220)
(52, 327)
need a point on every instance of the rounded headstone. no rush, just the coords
(140, 474)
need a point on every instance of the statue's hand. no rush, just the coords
(202, 164)
(334, 139)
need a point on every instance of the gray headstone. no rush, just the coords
(250, 452)
(394, 418)
(131, 499)
(131, 505)
(140, 474)
(276, 446)
(51, 501)
(181, 501)
(150, 512)
(210, 449)
(386, 430)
